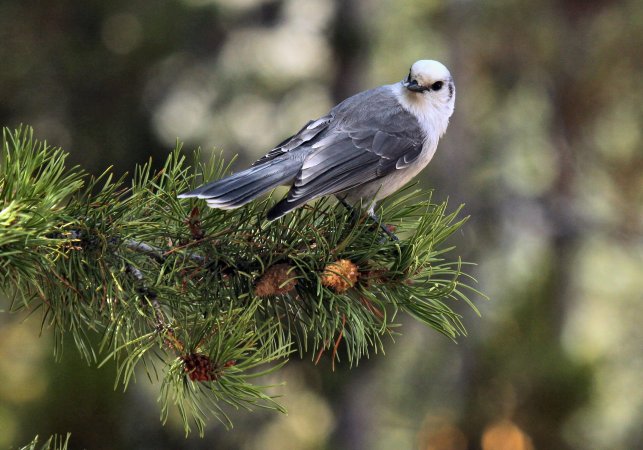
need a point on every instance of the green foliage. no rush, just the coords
(54, 442)
(33, 186)
(171, 287)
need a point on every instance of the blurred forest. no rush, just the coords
(544, 149)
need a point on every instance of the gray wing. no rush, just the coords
(348, 158)
(369, 138)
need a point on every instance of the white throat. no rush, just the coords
(432, 114)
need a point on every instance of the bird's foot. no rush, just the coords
(382, 226)
(371, 214)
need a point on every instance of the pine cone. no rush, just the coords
(200, 367)
(340, 275)
(278, 279)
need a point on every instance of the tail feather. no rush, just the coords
(244, 194)
(242, 187)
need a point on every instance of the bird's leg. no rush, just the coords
(383, 227)
(353, 211)
(371, 215)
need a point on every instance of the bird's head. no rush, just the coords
(431, 80)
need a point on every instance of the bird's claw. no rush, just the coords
(372, 216)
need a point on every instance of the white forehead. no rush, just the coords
(433, 70)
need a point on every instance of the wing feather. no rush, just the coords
(345, 159)
(303, 137)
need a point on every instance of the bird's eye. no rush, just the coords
(437, 86)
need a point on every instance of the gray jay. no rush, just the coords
(363, 150)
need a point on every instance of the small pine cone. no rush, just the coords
(200, 367)
(278, 279)
(375, 276)
(340, 275)
(194, 224)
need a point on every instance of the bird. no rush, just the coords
(366, 148)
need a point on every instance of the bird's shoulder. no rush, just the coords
(376, 109)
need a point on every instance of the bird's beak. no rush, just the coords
(413, 86)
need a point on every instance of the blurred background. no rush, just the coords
(544, 149)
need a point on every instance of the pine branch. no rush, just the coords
(203, 299)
